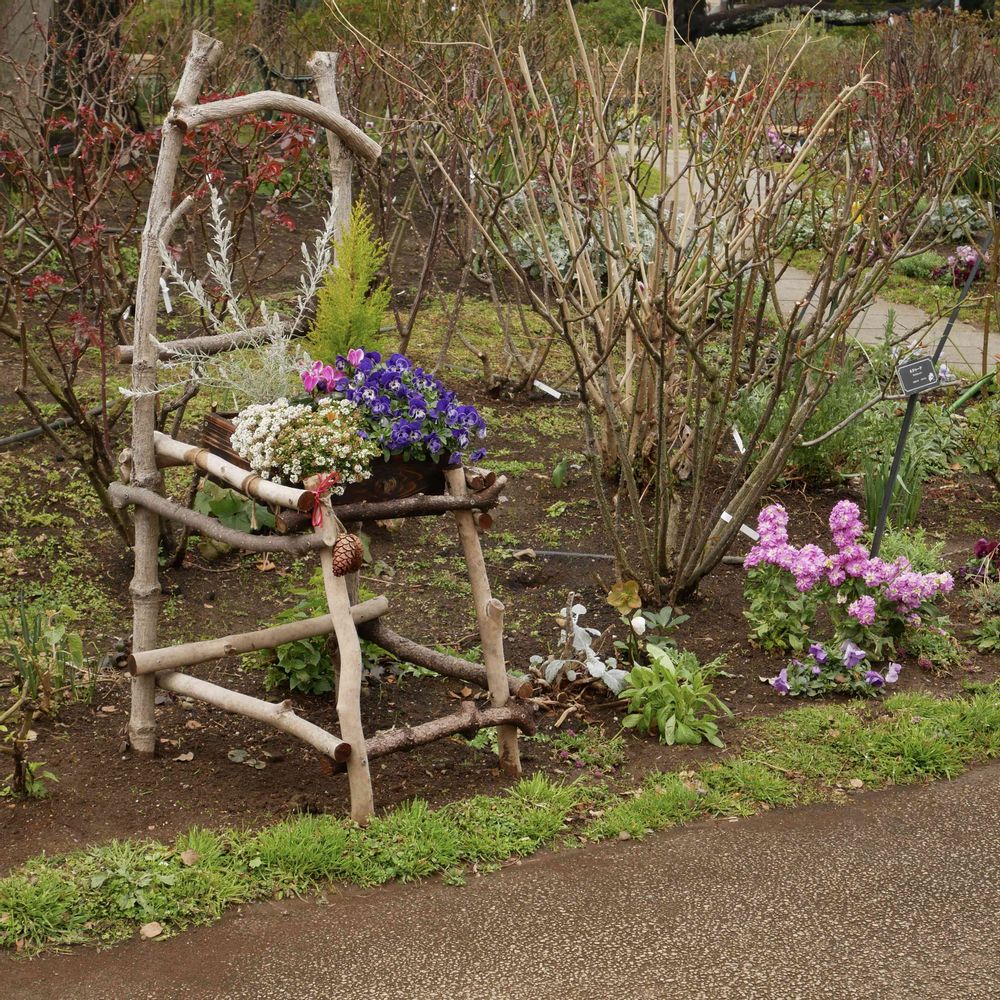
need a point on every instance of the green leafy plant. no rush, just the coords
(907, 491)
(304, 665)
(560, 473)
(923, 554)
(986, 637)
(47, 666)
(981, 436)
(590, 748)
(232, 509)
(673, 697)
(922, 266)
(934, 647)
(984, 600)
(780, 615)
(350, 305)
(648, 628)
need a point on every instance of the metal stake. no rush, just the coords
(911, 403)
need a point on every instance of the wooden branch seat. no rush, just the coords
(466, 494)
(471, 491)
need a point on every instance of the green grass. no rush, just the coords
(105, 893)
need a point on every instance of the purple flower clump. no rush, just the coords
(863, 610)
(896, 582)
(408, 411)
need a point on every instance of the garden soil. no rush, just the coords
(104, 791)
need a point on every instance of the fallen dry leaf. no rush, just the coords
(185, 756)
(190, 857)
(109, 708)
(856, 783)
(192, 724)
(151, 930)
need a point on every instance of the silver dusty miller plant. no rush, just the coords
(267, 363)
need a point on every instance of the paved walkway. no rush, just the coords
(964, 350)
(894, 896)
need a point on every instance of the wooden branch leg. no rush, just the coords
(145, 590)
(349, 676)
(489, 614)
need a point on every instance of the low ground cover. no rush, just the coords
(112, 891)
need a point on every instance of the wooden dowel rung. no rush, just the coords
(469, 718)
(189, 653)
(246, 482)
(215, 343)
(279, 715)
(123, 496)
(441, 663)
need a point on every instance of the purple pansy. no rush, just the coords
(409, 410)
(851, 654)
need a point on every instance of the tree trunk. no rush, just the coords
(23, 52)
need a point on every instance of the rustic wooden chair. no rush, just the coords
(469, 494)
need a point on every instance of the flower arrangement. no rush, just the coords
(407, 411)
(871, 602)
(292, 441)
(352, 412)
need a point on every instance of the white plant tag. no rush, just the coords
(745, 528)
(166, 295)
(547, 389)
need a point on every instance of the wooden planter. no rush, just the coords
(391, 480)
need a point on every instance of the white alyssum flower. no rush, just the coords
(292, 441)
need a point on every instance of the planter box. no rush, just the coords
(392, 480)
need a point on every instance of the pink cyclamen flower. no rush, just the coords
(311, 376)
(355, 356)
(863, 610)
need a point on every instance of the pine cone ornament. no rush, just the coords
(347, 555)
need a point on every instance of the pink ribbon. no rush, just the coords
(319, 491)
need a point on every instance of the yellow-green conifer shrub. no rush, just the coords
(350, 308)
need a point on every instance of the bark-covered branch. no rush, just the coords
(433, 659)
(467, 719)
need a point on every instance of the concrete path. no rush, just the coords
(963, 352)
(894, 895)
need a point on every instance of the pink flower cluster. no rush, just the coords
(320, 376)
(897, 581)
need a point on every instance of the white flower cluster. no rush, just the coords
(291, 441)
